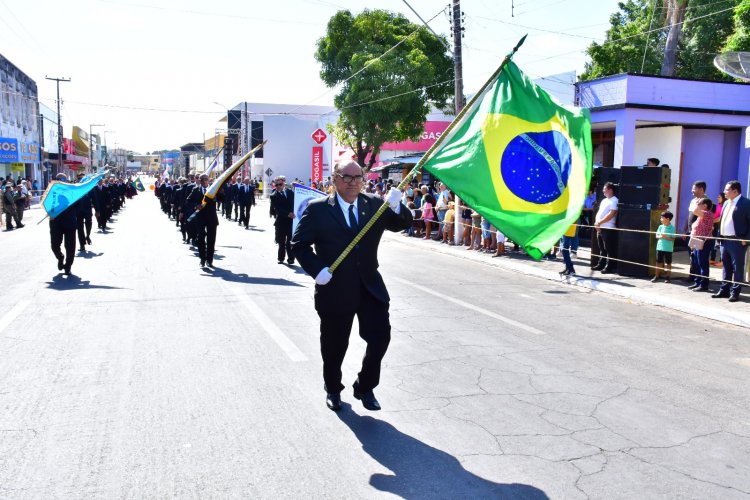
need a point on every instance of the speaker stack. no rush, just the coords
(643, 195)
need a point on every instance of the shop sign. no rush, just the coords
(28, 152)
(8, 150)
(317, 163)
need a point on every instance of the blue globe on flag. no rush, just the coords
(535, 166)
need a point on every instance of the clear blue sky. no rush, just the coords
(185, 54)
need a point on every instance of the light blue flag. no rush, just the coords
(61, 195)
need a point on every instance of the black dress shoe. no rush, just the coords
(734, 298)
(607, 271)
(693, 286)
(67, 270)
(210, 263)
(281, 262)
(203, 263)
(60, 264)
(290, 262)
(701, 289)
(333, 401)
(88, 240)
(367, 398)
(720, 295)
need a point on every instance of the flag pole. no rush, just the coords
(426, 156)
(227, 174)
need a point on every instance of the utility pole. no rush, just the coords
(59, 125)
(458, 34)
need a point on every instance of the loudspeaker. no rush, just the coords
(603, 175)
(646, 176)
(639, 249)
(644, 195)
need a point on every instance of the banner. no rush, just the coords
(317, 163)
(303, 195)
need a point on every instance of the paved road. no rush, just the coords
(143, 376)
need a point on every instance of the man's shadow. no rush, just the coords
(88, 255)
(73, 282)
(421, 471)
(228, 275)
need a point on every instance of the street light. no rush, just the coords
(106, 159)
(91, 142)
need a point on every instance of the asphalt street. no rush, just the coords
(144, 376)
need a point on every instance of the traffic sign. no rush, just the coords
(269, 172)
(319, 136)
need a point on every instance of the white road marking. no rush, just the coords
(512, 322)
(273, 331)
(8, 317)
(525, 296)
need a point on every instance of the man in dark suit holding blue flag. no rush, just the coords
(356, 287)
(734, 226)
(63, 227)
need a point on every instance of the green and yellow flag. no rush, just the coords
(138, 184)
(519, 159)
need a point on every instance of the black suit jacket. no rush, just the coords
(323, 227)
(99, 198)
(246, 198)
(207, 216)
(740, 217)
(281, 206)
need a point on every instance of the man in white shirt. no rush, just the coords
(606, 236)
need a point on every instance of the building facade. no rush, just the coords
(699, 128)
(20, 150)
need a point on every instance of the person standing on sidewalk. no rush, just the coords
(9, 206)
(734, 228)
(605, 223)
(665, 236)
(702, 229)
(699, 192)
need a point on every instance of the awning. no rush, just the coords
(398, 163)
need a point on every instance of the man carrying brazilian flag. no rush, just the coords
(519, 159)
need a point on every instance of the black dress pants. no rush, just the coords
(84, 228)
(245, 215)
(284, 240)
(374, 328)
(206, 242)
(56, 239)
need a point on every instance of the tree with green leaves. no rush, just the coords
(641, 39)
(390, 71)
(740, 39)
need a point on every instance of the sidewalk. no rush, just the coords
(673, 295)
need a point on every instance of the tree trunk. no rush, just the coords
(675, 16)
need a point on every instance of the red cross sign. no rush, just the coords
(319, 136)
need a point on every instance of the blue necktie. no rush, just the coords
(353, 219)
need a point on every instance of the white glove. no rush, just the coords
(393, 198)
(323, 277)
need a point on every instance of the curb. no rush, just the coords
(632, 293)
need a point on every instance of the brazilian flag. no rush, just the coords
(520, 159)
(138, 184)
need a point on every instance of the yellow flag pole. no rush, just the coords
(426, 156)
